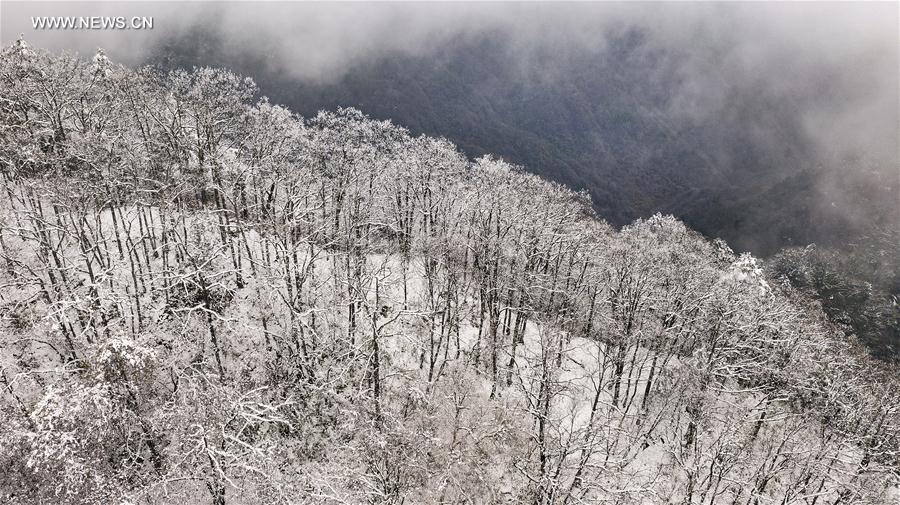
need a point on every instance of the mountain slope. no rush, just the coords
(208, 299)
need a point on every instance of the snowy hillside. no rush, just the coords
(208, 299)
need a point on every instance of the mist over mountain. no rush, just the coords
(641, 127)
(769, 125)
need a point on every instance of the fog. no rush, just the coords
(833, 66)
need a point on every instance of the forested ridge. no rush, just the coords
(208, 299)
(606, 122)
